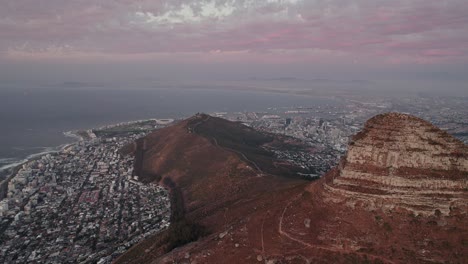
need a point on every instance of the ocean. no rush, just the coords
(33, 119)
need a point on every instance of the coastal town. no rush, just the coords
(85, 204)
(82, 204)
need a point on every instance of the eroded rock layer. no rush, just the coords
(402, 161)
(399, 196)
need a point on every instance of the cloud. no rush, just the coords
(403, 30)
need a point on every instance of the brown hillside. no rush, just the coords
(210, 164)
(375, 207)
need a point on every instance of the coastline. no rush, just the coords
(12, 170)
(9, 171)
(35, 156)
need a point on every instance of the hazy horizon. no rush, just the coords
(419, 45)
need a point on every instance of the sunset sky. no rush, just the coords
(284, 36)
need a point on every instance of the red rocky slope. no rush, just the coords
(399, 196)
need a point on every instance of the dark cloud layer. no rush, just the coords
(397, 31)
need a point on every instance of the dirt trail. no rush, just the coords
(332, 249)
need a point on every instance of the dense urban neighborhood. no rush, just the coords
(82, 204)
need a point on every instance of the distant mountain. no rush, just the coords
(315, 80)
(399, 196)
(74, 85)
(281, 79)
(361, 81)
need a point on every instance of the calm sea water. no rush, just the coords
(32, 120)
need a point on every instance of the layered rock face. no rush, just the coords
(399, 196)
(401, 161)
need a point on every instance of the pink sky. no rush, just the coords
(363, 32)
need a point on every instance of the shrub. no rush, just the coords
(183, 232)
(387, 227)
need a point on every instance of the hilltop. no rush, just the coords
(398, 196)
(212, 165)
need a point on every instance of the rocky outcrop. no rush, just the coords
(399, 196)
(401, 161)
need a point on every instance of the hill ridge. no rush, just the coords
(373, 207)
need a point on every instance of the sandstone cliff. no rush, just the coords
(398, 196)
(399, 160)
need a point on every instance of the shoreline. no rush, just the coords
(7, 170)
(12, 170)
(35, 156)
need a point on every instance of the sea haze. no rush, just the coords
(33, 119)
